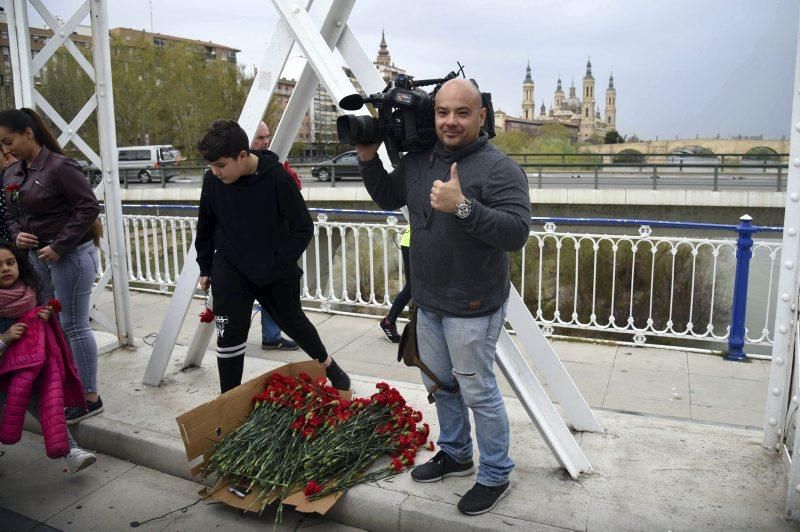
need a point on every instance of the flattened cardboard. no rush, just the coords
(208, 423)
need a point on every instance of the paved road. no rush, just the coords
(617, 179)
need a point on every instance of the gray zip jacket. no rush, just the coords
(458, 267)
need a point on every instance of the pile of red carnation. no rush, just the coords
(302, 435)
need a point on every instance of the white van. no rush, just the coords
(147, 163)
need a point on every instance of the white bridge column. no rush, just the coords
(785, 347)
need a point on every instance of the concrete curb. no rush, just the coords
(131, 443)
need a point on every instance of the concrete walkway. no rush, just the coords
(37, 494)
(652, 381)
(650, 471)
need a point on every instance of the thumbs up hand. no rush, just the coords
(445, 197)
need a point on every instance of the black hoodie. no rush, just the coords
(259, 223)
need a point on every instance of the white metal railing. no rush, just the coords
(636, 284)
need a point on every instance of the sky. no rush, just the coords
(681, 68)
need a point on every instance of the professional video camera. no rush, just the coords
(405, 116)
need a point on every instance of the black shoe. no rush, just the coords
(390, 330)
(337, 376)
(77, 413)
(282, 345)
(440, 467)
(481, 499)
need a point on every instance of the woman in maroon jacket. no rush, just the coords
(51, 210)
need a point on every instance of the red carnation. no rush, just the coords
(312, 488)
(13, 187)
(54, 304)
(207, 316)
(397, 465)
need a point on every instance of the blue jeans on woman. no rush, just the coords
(463, 350)
(70, 280)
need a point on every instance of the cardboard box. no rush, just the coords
(201, 427)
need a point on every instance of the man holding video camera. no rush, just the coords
(469, 206)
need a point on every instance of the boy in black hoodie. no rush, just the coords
(252, 228)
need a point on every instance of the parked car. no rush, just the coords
(344, 166)
(92, 173)
(147, 163)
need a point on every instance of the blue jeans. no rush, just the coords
(270, 332)
(463, 350)
(71, 279)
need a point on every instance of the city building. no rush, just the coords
(82, 37)
(580, 115)
(211, 51)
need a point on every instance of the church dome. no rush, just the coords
(573, 104)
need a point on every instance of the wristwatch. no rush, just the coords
(463, 209)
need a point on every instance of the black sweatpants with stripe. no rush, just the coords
(233, 305)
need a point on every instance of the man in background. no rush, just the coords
(271, 337)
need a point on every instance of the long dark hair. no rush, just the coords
(18, 120)
(26, 272)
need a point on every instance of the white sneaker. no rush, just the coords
(78, 459)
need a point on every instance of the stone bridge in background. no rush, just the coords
(717, 146)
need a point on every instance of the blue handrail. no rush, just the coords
(534, 219)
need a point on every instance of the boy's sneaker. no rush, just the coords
(77, 413)
(440, 467)
(337, 376)
(481, 499)
(78, 459)
(390, 330)
(283, 344)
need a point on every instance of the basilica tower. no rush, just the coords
(588, 107)
(559, 98)
(528, 105)
(611, 104)
(383, 59)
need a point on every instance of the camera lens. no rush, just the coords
(362, 129)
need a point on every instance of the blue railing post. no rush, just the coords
(744, 252)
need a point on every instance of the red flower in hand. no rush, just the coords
(54, 304)
(207, 316)
(312, 488)
(13, 191)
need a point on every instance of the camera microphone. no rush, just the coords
(353, 102)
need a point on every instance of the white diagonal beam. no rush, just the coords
(73, 127)
(546, 360)
(539, 407)
(359, 62)
(61, 124)
(303, 93)
(61, 34)
(316, 50)
(266, 78)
